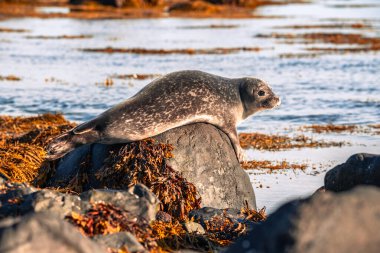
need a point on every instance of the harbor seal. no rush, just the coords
(174, 100)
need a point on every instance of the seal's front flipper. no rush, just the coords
(233, 136)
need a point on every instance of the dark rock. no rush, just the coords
(192, 6)
(207, 213)
(164, 217)
(119, 240)
(71, 163)
(202, 153)
(21, 199)
(116, 3)
(138, 200)
(346, 222)
(43, 232)
(358, 169)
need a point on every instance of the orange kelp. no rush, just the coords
(159, 236)
(279, 142)
(330, 128)
(23, 141)
(271, 165)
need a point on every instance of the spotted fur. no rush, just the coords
(171, 101)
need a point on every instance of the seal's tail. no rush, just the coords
(61, 145)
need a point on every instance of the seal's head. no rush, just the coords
(256, 96)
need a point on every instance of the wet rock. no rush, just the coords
(358, 169)
(43, 232)
(119, 240)
(138, 200)
(345, 222)
(202, 153)
(193, 227)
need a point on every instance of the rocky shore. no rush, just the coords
(182, 190)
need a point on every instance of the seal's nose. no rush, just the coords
(278, 102)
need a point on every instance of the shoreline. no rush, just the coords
(95, 11)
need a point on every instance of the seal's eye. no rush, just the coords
(261, 93)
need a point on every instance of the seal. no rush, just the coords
(174, 100)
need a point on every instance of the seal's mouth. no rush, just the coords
(271, 103)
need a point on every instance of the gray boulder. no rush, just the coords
(43, 233)
(20, 199)
(358, 169)
(346, 222)
(205, 157)
(139, 201)
(202, 153)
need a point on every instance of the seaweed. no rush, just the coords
(10, 78)
(102, 219)
(21, 162)
(248, 165)
(189, 51)
(22, 145)
(278, 142)
(144, 162)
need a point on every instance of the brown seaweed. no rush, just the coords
(189, 51)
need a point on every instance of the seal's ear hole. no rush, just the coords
(261, 93)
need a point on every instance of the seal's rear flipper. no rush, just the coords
(60, 146)
(68, 141)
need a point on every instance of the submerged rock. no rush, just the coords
(43, 232)
(346, 222)
(203, 154)
(358, 169)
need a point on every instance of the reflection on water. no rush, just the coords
(336, 88)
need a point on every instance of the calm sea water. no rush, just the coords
(337, 88)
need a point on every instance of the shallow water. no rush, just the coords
(335, 88)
